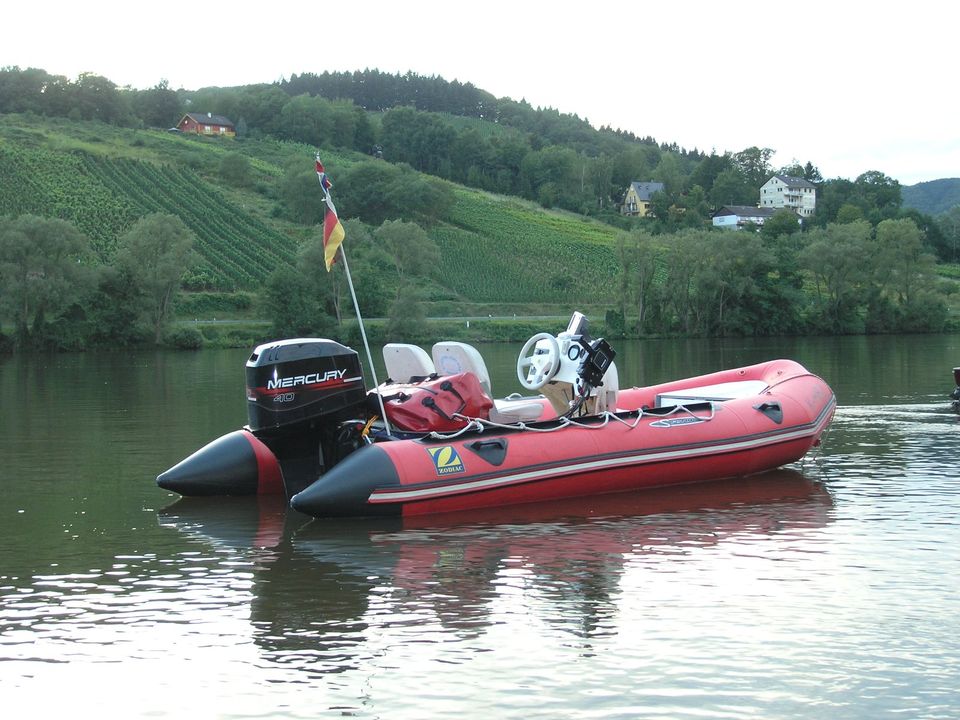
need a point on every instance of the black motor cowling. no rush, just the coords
(292, 382)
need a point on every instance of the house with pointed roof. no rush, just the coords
(787, 191)
(736, 217)
(207, 124)
(637, 200)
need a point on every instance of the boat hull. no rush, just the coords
(692, 442)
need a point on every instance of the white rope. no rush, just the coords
(478, 425)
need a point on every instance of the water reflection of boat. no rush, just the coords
(257, 522)
(575, 554)
(319, 587)
(306, 611)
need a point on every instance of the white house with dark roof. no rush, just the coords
(736, 217)
(787, 191)
(637, 200)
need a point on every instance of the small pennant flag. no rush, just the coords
(322, 175)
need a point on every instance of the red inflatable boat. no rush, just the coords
(445, 445)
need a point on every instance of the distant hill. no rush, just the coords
(934, 197)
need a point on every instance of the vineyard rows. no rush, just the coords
(497, 251)
(52, 184)
(524, 269)
(506, 219)
(234, 246)
(114, 174)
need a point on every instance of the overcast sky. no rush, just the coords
(849, 86)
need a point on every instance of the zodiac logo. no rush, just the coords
(446, 460)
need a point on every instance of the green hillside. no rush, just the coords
(498, 250)
(934, 197)
(238, 249)
(101, 178)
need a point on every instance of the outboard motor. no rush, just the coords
(299, 392)
(305, 401)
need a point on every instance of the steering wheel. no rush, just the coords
(534, 371)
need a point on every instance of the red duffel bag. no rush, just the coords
(432, 403)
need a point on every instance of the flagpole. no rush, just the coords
(325, 185)
(366, 345)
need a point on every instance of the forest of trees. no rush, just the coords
(862, 263)
(859, 279)
(58, 298)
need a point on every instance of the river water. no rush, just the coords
(826, 589)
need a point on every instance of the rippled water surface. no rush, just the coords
(826, 589)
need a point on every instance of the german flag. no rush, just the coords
(333, 234)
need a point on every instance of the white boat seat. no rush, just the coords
(714, 393)
(509, 411)
(452, 358)
(405, 361)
